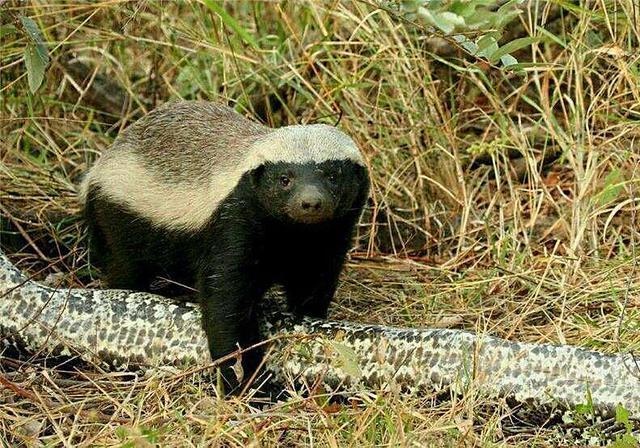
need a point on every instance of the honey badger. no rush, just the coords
(196, 193)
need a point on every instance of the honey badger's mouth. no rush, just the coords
(309, 217)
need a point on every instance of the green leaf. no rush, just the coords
(35, 64)
(448, 21)
(33, 32)
(467, 44)
(503, 20)
(231, 22)
(487, 45)
(35, 54)
(586, 408)
(481, 19)
(508, 60)
(512, 46)
(31, 28)
(426, 16)
(347, 358)
(464, 9)
(613, 186)
(444, 21)
(622, 415)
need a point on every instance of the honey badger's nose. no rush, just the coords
(311, 205)
(310, 199)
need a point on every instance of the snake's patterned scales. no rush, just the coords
(134, 330)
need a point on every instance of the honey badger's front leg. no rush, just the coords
(311, 282)
(230, 284)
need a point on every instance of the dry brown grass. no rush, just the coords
(502, 202)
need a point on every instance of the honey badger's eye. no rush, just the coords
(284, 180)
(332, 177)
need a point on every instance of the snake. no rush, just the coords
(127, 330)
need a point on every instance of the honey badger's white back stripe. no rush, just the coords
(183, 192)
(181, 206)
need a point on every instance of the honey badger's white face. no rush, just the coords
(310, 193)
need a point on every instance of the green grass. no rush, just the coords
(502, 202)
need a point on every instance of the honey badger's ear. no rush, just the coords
(256, 174)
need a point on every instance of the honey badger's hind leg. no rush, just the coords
(96, 242)
(119, 244)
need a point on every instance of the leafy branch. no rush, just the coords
(35, 54)
(484, 18)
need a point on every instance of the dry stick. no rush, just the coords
(19, 391)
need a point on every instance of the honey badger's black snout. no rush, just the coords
(311, 205)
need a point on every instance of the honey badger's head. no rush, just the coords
(310, 174)
(311, 192)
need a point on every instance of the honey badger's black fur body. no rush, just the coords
(287, 222)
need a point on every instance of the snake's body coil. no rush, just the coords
(127, 329)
